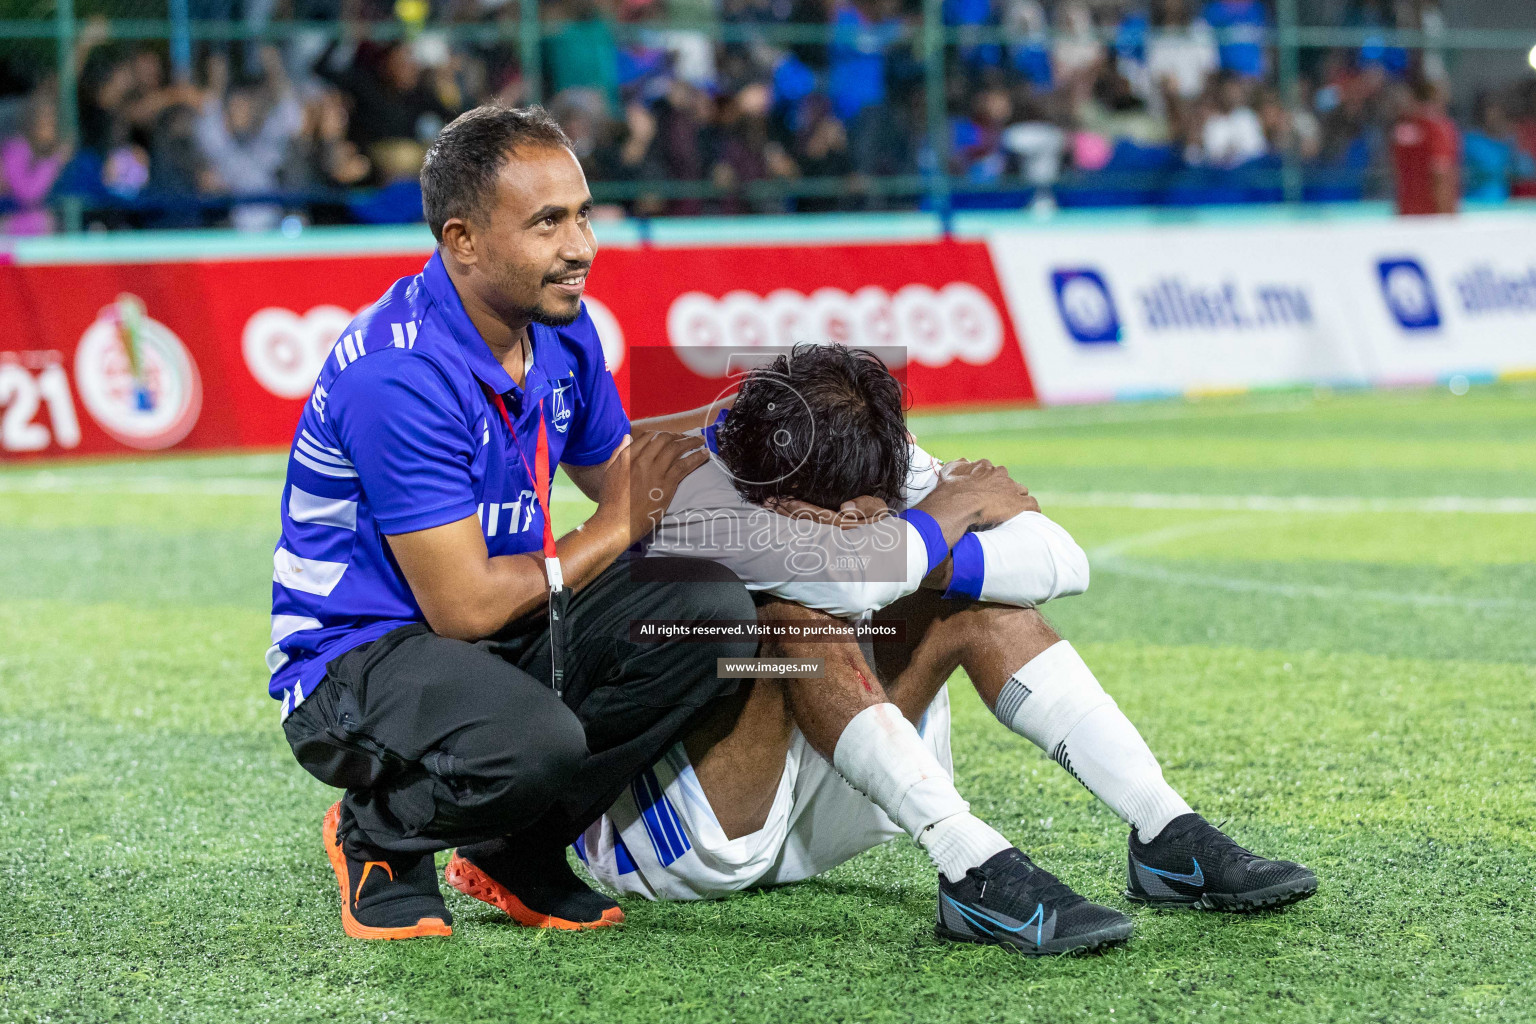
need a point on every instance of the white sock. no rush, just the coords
(961, 842)
(882, 756)
(1055, 702)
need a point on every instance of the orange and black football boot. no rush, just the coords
(396, 898)
(535, 887)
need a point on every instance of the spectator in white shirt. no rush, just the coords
(1181, 52)
(1076, 52)
(244, 147)
(1232, 133)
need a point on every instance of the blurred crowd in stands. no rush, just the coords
(1069, 102)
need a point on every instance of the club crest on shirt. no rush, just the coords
(562, 408)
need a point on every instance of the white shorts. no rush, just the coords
(661, 839)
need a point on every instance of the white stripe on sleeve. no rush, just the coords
(284, 626)
(313, 440)
(323, 455)
(323, 468)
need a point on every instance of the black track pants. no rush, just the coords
(440, 743)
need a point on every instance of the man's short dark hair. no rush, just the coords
(824, 424)
(458, 176)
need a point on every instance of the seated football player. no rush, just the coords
(791, 777)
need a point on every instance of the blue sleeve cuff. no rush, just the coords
(426, 519)
(933, 536)
(969, 569)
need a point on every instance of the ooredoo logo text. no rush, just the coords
(928, 326)
(285, 350)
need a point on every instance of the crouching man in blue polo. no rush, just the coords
(468, 679)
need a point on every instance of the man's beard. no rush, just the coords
(549, 318)
(540, 313)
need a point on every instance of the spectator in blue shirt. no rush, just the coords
(863, 33)
(1243, 28)
(976, 151)
(1491, 157)
(1029, 49)
(1375, 52)
(973, 14)
(416, 661)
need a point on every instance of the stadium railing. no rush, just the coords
(1162, 181)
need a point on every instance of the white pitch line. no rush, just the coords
(1110, 558)
(1113, 550)
(53, 481)
(212, 486)
(1244, 585)
(1288, 503)
(926, 425)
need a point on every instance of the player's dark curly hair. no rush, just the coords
(824, 424)
(458, 177)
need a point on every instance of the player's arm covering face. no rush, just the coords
(821, 427)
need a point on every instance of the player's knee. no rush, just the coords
(713, 591)
(984, 628)
(550, 737)
(556, 750)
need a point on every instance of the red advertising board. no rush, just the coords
(105, 358)
(932, 308)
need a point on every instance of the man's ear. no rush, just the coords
(459, 241)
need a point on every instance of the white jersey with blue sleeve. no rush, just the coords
(1025, 561)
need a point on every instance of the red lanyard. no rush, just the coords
(540, 472)
(559, 598)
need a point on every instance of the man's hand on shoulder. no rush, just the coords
(640, 481)
(975, 496)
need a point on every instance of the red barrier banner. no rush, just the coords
(116, 358)
(933, 308)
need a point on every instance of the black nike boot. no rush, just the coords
(384, 896)
(534, 886)
(1011, 902)
(1191, 863)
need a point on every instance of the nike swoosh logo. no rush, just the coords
(1197, 878)
(989, 922)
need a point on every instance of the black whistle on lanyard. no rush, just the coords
(559, 600)
(559, 596)
(559, 593)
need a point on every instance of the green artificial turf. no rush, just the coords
(1349, 682)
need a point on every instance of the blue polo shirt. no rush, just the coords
(401, 435)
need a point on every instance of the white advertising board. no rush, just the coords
(1105, 314)
(1442, 296)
